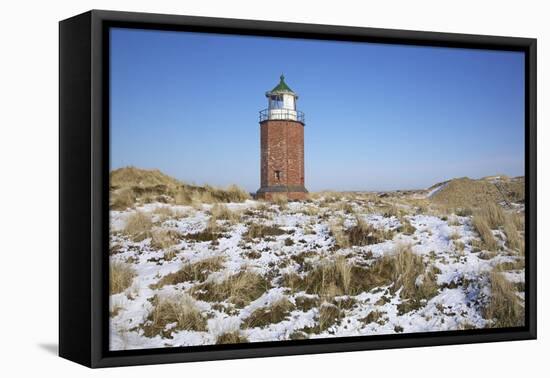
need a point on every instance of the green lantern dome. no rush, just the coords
(282, 87)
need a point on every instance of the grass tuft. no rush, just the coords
(234, 337)
(256, 230)
(239, 289)
(163, 238)
(121, 276)
(482, 227)
(180, 310)
(197, 271)
(138, 226)
(275, 313)
(504, 308)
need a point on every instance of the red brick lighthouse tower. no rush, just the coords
(282, 145)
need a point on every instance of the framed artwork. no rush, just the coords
(234, 188)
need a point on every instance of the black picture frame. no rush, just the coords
(84, 177)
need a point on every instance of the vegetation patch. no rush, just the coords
(329, 315)
(256, 230)
(234, 337)
(164, 238)
(482, 227)
(275, 313)
(365, 234)
(406, 227)
(197, 271)
(221, 211)
(504, 308)
(121, 276)
(374, 316)
(138, 226)
(305, 303)
(239, 289)
(178, 312)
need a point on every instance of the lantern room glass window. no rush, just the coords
(276, 102)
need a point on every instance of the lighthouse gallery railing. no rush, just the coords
(282, 114)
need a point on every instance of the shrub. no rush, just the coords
(178, 309)
(121, 276)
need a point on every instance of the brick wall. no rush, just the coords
(282, 155)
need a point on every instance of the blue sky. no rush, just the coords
(378, 117)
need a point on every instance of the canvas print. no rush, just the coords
(272, 189)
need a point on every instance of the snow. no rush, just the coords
(461, 274)
(435, 190)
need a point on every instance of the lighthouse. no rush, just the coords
(282, 146)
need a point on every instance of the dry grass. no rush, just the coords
(275, 313)
(455, 235)
(329, 315)
(332, 278)
(142, 178)
(465, 192)
(407, 267)
(518, 219)
(234, 337)
(343, 206)
(513, 237)
(306, 303)
(406, 227)
(121, 276)
(122, 199)
(221, 211)
(280, 200)
(365, 234)
(391, 210)
(374, 316)
(138, 226)
(239, 289)
(130, 185)
(257, 230)
(504, 307)
(197, 271)
(311, 210)
(481, 226)
(211, 233)
(360, 234)
(164, 238)
(164, 213)
(493, 215)
(178, 309)
(337, 232)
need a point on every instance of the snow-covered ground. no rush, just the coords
(446, 245)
